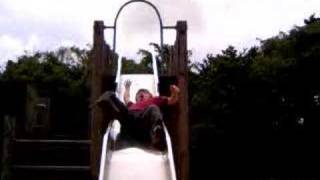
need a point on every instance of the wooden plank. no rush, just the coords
(55, 168)
(64, 141)
(96, 90)
(182, 124)
(102, 70)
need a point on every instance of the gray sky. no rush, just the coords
(33, 25)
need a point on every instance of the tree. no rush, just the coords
(60, 75)
(261, 97)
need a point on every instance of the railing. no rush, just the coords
(104, 152)
(114, 27)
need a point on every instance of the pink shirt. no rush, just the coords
(158, 101)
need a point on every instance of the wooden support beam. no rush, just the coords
(182, 121)
(9, 134)
(173, 60)
(101, 67)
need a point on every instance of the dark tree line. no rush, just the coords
(61, 76)
(258, 110)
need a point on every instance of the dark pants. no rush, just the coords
(137, 124)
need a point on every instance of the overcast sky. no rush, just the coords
(33, 25)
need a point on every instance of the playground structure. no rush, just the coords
(103, 79)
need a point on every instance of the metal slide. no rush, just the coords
(123, 159)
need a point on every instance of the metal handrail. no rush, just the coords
(114, 27)
(104, 152)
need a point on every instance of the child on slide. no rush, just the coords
(141, 119)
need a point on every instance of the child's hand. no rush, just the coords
(127, 84)
(174, 89)
(174, 96)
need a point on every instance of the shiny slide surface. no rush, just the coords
(133, 161)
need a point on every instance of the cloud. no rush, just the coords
(24, 27)
(9, 47)
(12, 47)
(212, 25)
(239, 23)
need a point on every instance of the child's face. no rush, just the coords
(143, 96)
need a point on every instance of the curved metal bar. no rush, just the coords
(104, 152)
(134, 1)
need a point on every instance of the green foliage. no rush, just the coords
(261, 97)
(132, 67)
(282, 60)
(67, 68)
(144, 64)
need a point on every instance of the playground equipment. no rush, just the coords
(140, 162)
(103, 79)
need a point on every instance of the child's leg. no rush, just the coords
(112, 104)
(152, 118)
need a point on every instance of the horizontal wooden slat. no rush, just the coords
(56, 168)
(53, 141)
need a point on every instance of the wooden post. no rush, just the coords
(9, 126)
(100, 68)
(173, 60)
(182, 121)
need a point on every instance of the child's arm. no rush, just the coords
(174, 96)
(126, 94)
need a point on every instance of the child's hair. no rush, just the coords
(142, 90)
